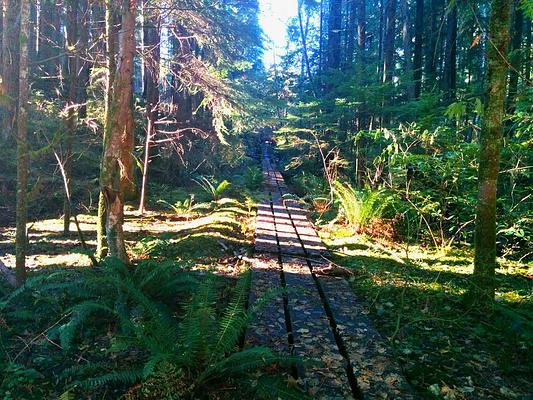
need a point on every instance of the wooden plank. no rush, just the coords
(265, 229)
(378, 375)
(288, 240)
(326, 377)
(268, 328)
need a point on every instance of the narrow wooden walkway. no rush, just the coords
(318, 317)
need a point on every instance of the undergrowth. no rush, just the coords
(153, 331)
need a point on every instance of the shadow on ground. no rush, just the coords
(417, 305)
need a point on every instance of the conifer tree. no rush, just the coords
(483, 283)
(22, 141)
(119, 136)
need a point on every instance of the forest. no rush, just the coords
(181, 218)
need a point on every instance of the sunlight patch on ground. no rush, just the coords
(184, 234)
(421, 268)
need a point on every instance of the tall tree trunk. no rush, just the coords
(515, 56)
(528, 54)
(22, 145)
(334, 34)
(407, 52)
(483, 281)
(152, 57)
(111, 67)
(380, 39)
(431, 48)
(361, 30)
(33, 44)
(50, 45)
(351, 33)
(450, 55)
(417, 58)
(10, 67)
(71, 103)
(1, 30)
(84, 65)
(321, 38)
(361, 69)
(118, 139)
(127, 162)
(388, 44)
(303, 36)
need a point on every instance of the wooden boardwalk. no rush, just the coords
(318, 317)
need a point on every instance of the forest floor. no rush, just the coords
(412, 294)
(207, 236)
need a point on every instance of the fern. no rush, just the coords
(233, 321)
(80, 313)
(193, 342)
(129, 376)
(527, 8)
(198, 324)
(180, 207)
(215, 192)
(242, 363)
(360, 209)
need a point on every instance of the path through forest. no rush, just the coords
(319, 318)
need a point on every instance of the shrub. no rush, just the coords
(360, 208)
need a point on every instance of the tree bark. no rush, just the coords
(152, 57)
(303, 36)
(122, 83)
(417, 57)
(380, 39)
(71, 103)
(351, 32)
(361, 30)
(10, 67)
(431, 48)
(407, 50)
(111, 67)
(450, 55)
(119, 136)
(22, 145)
(321, 38)
(388, 44)
(334, 34)
(528, 56)
(84, 65)
(33, 38)
(50, 45)
(515, 56)
(482, 290)
(1, 29)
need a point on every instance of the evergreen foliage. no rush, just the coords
(165, 322)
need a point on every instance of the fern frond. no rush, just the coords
(221, 188)
(80, 312)
(124, 377)
(35, 282)
(233, 321)
(198, 324)
(183, 283)
(242, 363)
(360, 208)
